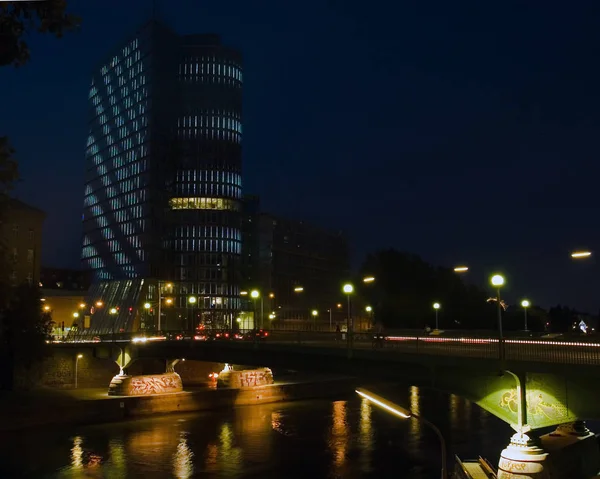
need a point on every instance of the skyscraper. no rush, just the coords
(162, 196)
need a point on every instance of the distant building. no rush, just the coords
(298, 267)
(163, 191)
(21, 240)
(65, 279)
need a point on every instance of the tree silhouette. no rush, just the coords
(19, 19)
(406, 288)
(24, 330)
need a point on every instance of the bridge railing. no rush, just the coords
(558, 350)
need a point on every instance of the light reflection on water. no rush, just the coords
(343, 438)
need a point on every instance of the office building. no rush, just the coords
(21, 240)
(163, 183)
(296, 266)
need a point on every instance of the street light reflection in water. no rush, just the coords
(322, 438)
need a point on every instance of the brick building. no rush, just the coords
(21, 241)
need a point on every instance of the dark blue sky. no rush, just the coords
(462, 131)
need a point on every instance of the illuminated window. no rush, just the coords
(203, 204)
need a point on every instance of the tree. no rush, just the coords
(24, 330)
(17, 19)
(406, 288)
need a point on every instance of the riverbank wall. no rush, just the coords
(55, 409)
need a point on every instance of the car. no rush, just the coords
(257, 335)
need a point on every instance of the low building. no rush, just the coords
(21, 241)
(63, 293)
(67, 308)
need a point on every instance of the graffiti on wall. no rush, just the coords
(154, 384)
(255, 378)
(245, 379)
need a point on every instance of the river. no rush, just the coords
(345, 438)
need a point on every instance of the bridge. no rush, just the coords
(530, 383)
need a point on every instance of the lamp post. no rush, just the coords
(348, 289)
(369, 310)
(77, 358)
(405, 414)
(255, 294)
(147, 307)
(192, 300)
(113, 312)
(437, 307)
(314, 313)
(525, 304)
(498, 281)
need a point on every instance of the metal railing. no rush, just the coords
(561, 351)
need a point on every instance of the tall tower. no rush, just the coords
(163, 184)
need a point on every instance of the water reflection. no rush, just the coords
(348, 439)
(77, 453)
(415, 407)
(183, 465)
(338, 440)
(365, 440)
(116, 452)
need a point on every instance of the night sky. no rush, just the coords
(462, 131)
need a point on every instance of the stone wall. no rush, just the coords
(58, 371)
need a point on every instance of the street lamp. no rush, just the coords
(461, 269)
(81, 305)
(368, 279)
(525, 304)
(405, 414)
(498, 281)
(581, 254)
(75, 315)
(348, 289)
(147, 305)
(255, 294)
(79, 356)
(112, 312)
(99, 304)
(192, 300)
(437, 307)
(298, 289)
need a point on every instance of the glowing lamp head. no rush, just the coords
(497, 280)
(271, 295)
(113, 311)
(169, 301)
(581, 254)
(82, 305)
(46, 308)
(239, 320)
(192, 300)
(169, 285)
(348, 288)
(314, 312)
(437, 305)
(243, 293)
(254, 294)
(147, 305)
(369, 279)
(461, 269)
(368, 309)
(75, 315)
(298, 289)
(525, 303)
(79, 356)
(99, 304)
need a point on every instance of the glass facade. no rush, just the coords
(163, 181)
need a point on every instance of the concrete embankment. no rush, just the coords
(51, 408)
